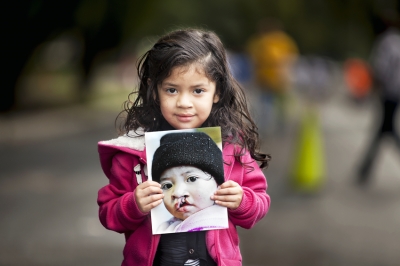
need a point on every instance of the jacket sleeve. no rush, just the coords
(255, 202)
(118, 210)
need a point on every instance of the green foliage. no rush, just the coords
(335, 28)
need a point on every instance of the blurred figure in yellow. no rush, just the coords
(385, 62)
(272, 52)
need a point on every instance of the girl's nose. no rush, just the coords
(184, 101)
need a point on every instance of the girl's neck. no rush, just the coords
(164, 125)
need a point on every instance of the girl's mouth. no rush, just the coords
(185, 118)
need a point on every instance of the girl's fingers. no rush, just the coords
(229, 195)
(148, 188)
(230, 198)
(228, 191)
(148, 184)
(229, 188)
(148, 195)
(149, 202)
(152, 183)
(152, 198)
(228, 184)
(151, 190)
(151, 205)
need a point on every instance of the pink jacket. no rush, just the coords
(123, 161)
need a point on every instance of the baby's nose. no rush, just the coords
(180, 191)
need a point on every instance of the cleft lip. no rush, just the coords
(182, 201)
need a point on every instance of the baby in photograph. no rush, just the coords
(189, 168)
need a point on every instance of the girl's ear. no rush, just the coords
(216, 98)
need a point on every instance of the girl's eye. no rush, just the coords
(198, 91)
(166, 186)
(191, 179)
(172, 90)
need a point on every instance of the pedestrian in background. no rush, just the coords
(385, 64)
(273, 53)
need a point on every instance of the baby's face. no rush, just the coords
(187, 190)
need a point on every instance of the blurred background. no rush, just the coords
(310, 72)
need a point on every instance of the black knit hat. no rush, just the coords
(188, 148)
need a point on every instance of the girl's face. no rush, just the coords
(187, 190)
(186, 97)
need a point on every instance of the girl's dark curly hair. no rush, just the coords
(182, 48)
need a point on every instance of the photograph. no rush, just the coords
(188, 165)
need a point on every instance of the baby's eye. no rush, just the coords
(191, 179)
(172, 90)
(166, 186)
(198, 91)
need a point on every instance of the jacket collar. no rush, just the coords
(133, 140)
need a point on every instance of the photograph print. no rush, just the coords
(188, 165)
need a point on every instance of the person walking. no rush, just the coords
(385, 64)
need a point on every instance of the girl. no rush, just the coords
(185, 82)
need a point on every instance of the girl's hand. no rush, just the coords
(229, 195)
(148, 195)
